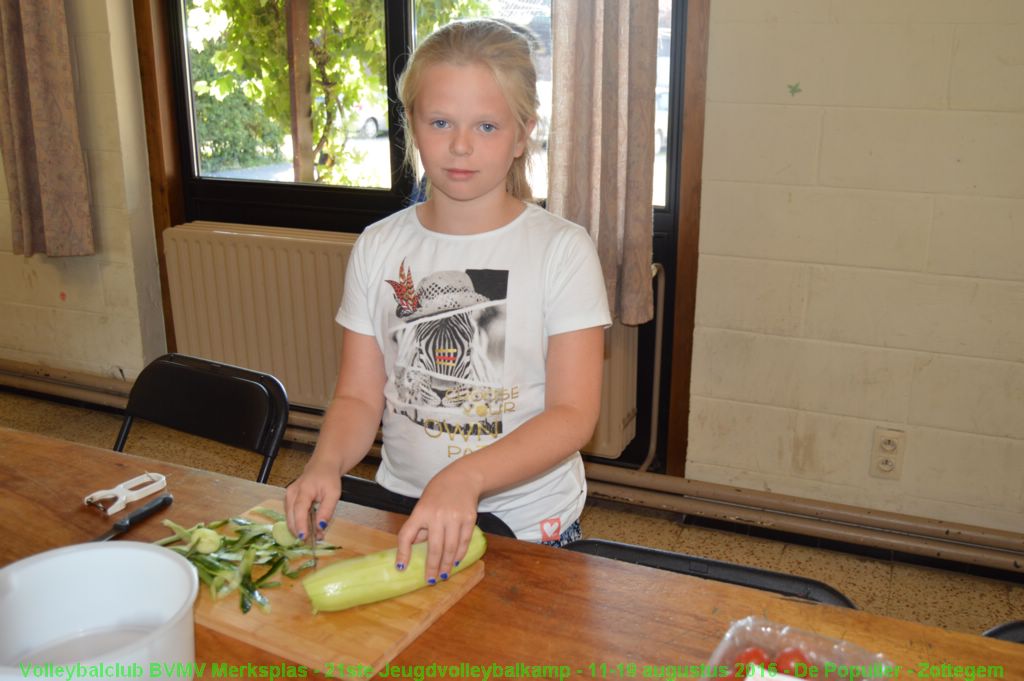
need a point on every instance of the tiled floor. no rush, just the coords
(938, 597)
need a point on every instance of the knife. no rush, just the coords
(311, 536)
(130, 521)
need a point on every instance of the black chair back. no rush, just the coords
(233, 405)
(365, 492)
(721, 571)
(1008, 631)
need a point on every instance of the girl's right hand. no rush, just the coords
(316, 484)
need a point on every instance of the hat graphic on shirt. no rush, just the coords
(438, 292)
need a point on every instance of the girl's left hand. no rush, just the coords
(444, 517)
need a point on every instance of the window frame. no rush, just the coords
(676, 225)
(282, 204)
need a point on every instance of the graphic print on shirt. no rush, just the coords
(449, 334)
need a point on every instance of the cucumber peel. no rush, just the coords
(243, 558)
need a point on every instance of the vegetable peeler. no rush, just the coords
(130, 490)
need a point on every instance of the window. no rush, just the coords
(238, 135)
(221, 190)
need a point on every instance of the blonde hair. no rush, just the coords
(500, 46)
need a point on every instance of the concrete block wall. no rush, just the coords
(862, 254)
(97, 314)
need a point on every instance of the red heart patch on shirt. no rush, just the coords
(550, 529)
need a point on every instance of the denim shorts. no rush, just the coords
(572, 533)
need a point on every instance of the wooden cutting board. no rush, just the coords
(353, 643)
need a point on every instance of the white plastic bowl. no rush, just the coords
(124, 605)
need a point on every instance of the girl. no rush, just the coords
(473, 322)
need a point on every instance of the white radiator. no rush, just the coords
(265, 298)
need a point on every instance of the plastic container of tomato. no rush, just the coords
(757, 648)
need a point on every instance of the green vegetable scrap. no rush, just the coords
(244, 556)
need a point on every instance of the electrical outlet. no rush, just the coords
(887, 452)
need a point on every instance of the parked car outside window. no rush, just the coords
(371, 120)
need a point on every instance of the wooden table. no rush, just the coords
(536, 605)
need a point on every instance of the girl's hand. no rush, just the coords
(318, 482)
(444, 517)
(346, 434)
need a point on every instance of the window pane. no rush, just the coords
(242, 118)
(661, 99)
(536, 16)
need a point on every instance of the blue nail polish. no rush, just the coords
(302, 535)
(399, 566)
(444, 576)
(431, 581)
(457, 563)
(323, 524)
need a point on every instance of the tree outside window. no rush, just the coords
(240, 69)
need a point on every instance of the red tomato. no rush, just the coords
(787, 660)
(750, 656)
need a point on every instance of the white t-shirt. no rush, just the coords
(463, 324)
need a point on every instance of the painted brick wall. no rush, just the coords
(98, 314)
(862, 254)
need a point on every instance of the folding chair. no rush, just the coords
(229, 404)
(368, 493)
(706, 568)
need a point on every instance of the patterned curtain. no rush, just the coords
(39, 138)
(601, 140)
